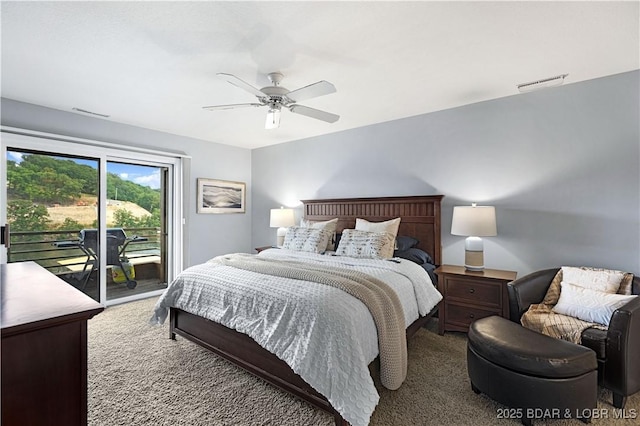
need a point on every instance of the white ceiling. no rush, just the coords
(154, 64)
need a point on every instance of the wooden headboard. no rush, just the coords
(420, 216)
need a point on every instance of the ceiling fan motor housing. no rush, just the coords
(274, 91)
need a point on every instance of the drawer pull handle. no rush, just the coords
(472, 316)
(472, 290)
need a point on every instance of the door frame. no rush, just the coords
(104, 151)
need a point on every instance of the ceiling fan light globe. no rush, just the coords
(273, 119)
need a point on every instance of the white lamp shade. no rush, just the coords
(281, 218)
(477, 221)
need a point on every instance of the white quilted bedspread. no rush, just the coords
(325, 335)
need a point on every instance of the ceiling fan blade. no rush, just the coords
(314, 113)
(240, 83)
(230, 106)
(314, 90)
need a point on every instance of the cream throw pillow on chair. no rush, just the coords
(582, 275)
(606, 280)
(589, 305)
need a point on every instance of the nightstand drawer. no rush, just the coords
(475, 292)
(462, 316)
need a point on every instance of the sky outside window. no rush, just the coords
(142, 175)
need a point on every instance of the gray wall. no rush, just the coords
(561, 165)
(207, 235)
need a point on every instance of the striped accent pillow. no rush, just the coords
(311, 240)
(365, 244)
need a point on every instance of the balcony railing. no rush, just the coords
(40, 247)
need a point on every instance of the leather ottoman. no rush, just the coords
(536, 376)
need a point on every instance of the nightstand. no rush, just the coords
(471, 295)
(259, 249)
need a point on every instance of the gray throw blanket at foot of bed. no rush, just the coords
(377, 296)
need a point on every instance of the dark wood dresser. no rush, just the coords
(44, 347)
(471, 295)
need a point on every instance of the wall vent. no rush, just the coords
(543, 83)
(90, 112)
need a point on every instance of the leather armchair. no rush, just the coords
(617, 348)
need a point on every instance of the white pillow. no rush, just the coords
(312, 240)
(589, 305)
(364, 244)
(328, 225)
(389, 226)
(606, 280)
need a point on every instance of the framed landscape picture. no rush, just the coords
(220, 196)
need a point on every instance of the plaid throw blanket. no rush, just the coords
(542, 319)
(378, 297)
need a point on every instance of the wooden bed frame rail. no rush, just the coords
(245, 353)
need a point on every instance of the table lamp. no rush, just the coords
(474, 222)
(281, 218)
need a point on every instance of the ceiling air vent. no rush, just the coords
(90, 112)
(541, 84)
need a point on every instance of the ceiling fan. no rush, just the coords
(277, 97)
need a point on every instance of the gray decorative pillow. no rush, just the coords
(312, 240)
(365, 244)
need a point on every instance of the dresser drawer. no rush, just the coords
(476, 292)
(462, 316)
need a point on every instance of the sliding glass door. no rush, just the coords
(136, 228)
(104, 223)
(50, 199)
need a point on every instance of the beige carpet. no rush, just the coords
(137, 376)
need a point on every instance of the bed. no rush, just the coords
(420, 219)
